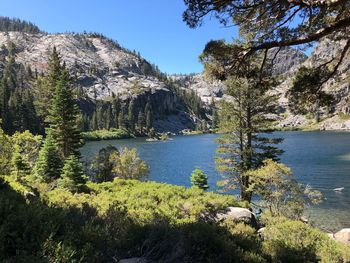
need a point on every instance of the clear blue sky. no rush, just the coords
(152, 27)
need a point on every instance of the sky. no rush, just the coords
(152, 27)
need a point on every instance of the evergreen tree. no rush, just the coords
(72, 177)
(31, 120)
(55, 70)
(102, 164)
(215, 119)
(115, 112)
(63, 118)
(6, 151)
(49, 164)
(99, 117)
(149, 117)
(45, 86)
(141, 122)
(8, 85)
(20, 166)
(245, 121)
(108, 117)
(5, 113)
(94, 122)
(199, 179)
(121, 119)
(131, 118)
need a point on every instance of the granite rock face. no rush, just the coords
(101, 69)
(338, 86)
(286, 64)
(343, 236)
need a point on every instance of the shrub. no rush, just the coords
(294, 241)
(112, 134)
(199, 179)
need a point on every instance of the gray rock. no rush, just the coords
(343, 236)
(237, 214)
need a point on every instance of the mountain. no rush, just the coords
(103, 70)
(286, 60)
(336, 116)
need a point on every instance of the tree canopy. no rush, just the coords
(273, 23)
(268, 26)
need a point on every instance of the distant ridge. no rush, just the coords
(8, 24)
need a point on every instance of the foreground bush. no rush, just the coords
(294, 241)
(129, 218)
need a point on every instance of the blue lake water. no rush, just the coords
(320, 159)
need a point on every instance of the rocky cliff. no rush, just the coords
(102, 69)
(335, 117)
(286, 64)
(285, 60)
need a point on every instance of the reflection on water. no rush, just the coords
(320, 159)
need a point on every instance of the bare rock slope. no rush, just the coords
(102, 68)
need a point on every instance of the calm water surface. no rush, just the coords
(320, 159)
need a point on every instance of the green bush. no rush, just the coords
(113, 134)
(294, 241)
(129, 218)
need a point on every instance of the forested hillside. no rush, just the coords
(10, 24)
(114, 87)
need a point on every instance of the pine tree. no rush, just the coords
(72, 177)
(5, 113)
(245, 121)
(102, 164)
(99, 117)
(8, 86)
(45, 86)
(31, 120)
(215, 119)
(121, 119)
(149, 117)
(141, 122)
(94, 122)
(49, 165)
(55, 70)
(199, 179)
(108, 117)
(20, 166)
(131, 118)
(63, 118)
(115, 112)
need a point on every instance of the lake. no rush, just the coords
(320, 159)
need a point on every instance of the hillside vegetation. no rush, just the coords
(127, 218)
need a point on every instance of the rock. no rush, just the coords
(29, 195)
(237, 214)
(304, 219)
(261, 232)
(343, 236)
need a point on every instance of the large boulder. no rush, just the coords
(343, 236)
(238, 214)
